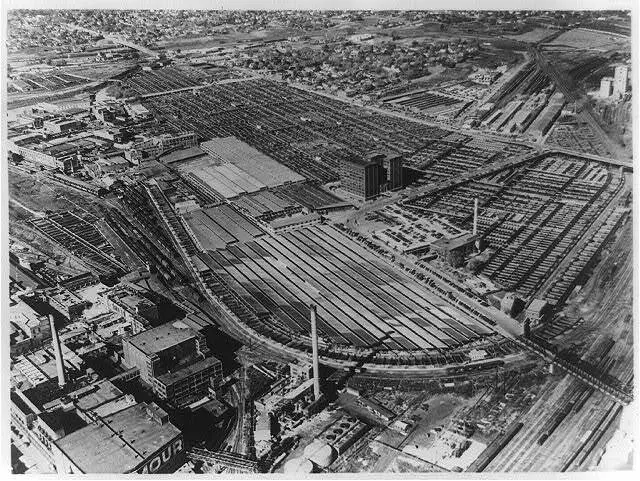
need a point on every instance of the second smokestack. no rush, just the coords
(55, 342)
(314, 347)
(475, 216)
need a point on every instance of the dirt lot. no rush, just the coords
(589, 40)
(35, 193)
(535, 35)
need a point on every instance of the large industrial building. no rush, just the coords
(96, 429)
(139, 439)
(455, 250)
(366, 178)
(28, 329)
(172, 360)
(606, 86)
(140, 312)
(621, 80)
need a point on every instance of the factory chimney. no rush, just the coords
(55, 341)
(475, 216)
(475, 223)
(314, 346)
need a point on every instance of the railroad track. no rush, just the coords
(579, 455)
(572, 445)
(571, 95)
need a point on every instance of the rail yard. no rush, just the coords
(278, 266)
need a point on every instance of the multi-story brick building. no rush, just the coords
(172, 359)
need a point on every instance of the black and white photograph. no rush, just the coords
(303, 241)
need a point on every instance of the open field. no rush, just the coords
(533, 36)
(582, 39)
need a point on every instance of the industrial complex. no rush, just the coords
(356, 242)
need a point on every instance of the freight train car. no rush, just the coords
(476, 366)
(494, 448)
(555, 421)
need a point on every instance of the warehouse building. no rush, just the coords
(48, 412)
(139, 311)
(378, 172)
(65, 302)
(27, 329)
(63, 157)
(548, 116)
(606, 87)
(538, 311)
(139, 439)
(172, 360)
(60, 125)
(360, 177)
(621, 80)
(80, 281)
(393, 166)
(455, 250)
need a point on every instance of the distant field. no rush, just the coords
(217, 39)
(508, 44)
(535, 35)
(100, 71)
(584, 39)
(495, 58)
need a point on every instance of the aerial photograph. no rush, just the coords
(285, 242)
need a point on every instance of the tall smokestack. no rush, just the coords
(314, 346)
(475, 216)
(55, 341)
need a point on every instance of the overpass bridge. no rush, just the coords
(135, 46)
(577, 371)
(509, 163)
(627, 164)
(115, 39)
(476, 173)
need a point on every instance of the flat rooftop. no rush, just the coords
(294, 220)
(43, 393)
(119, 444)
(89, 397)
(162, 337)
(183, 154)
(65, 422)
(358, 161)
(19, 402)
(450, 243)
(97, 394)
(250, 160)
(64, 296)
